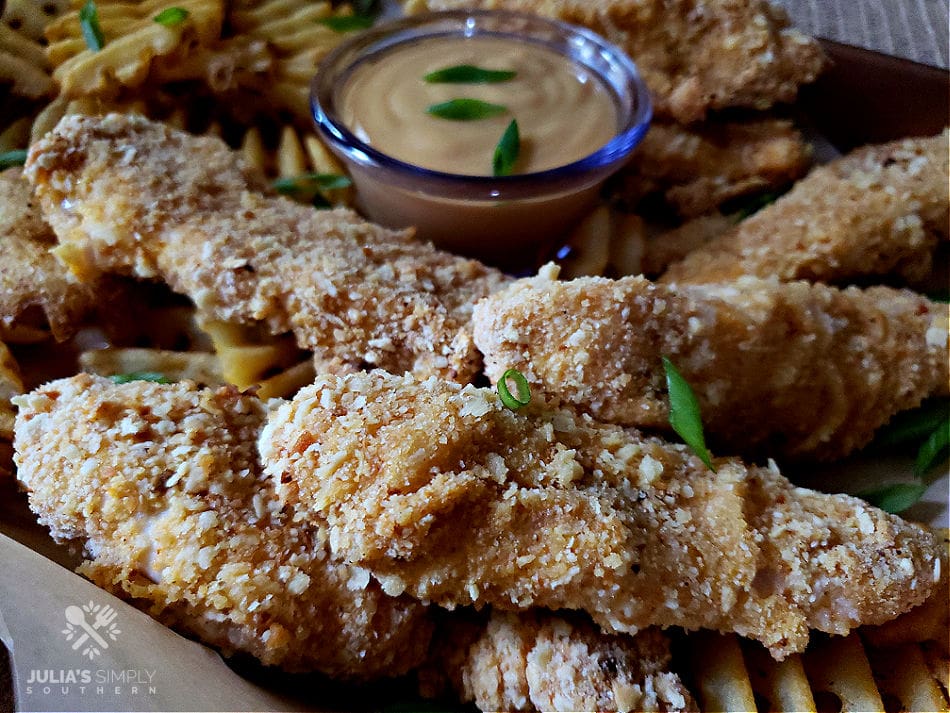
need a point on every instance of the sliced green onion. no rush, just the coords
(894, 498)
(685, 417)
(755, 204)
(914, 425)
(465, 110)
(171, 16)
(9, 159)
(522, 390)
(346, 23)
(507, 150)
(89, 24)
(311, 181)
(140, 376)
(468, 74)
(932, 449)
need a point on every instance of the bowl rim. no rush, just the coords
(389, 34)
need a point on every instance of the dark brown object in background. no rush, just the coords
(868, 97)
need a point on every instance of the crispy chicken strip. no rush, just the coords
(880, 210)
(442, 492)
(694, 55)
(793, 369)
(539, 661)
(36, 291)
(698, 169)
(132, 196)
(161, 484)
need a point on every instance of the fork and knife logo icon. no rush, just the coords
(91, 627)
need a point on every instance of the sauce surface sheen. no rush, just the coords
(564, 111)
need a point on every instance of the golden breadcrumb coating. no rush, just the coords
(699, 168)
(664, 248)
(792, 369)
(162, 485)
(128, 195)
(880, 210)
(442, 492)
(539, 661)
(36, 290)
(694, 55)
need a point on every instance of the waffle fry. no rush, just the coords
(23, 65)
(30, 17)
(838, 669)
(248, 358)
(133, 41)
(230, 65)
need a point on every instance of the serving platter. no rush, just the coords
(864, 97)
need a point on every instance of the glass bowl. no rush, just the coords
(493, 218)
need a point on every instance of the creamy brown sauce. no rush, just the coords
(564, 111)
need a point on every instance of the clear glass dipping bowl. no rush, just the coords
(494, 218)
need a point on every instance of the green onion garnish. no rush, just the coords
(311, 181)
(894, 498)
(89, 23)
(465, 109)
(140, 376)
(914, 425)
(507, 150)
(684, 413)
(522, 390)
(931, 449)
(468, 74)
(171, 16)
(755, 204)
(347, 23)
(9, 159)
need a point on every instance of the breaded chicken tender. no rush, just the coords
(878, 211)
(132, 196)
(161, 483)
(694, 55)
(793, 369)
(442, 492)
(540, 661)
(36, 290)
(698, 169)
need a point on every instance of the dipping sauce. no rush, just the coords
(564, 111)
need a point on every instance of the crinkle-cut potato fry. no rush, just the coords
(839, 668)
(30, 17)
(903, 677)
(23, 65)
(200, 367)
(288, 382)
(133, 41)
(247, 359)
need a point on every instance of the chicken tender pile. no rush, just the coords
(880, 210)
(547, 662)
(132, 196)
(694, 55)
(801, 370)
(161, 484)
(36, 291)
(442, 492)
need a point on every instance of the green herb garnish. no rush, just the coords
(894, 498)
(89, 24)
(12, 158)
(932, 449)
(507, 150)
(466, 110)
(755, 204)
(522, 390)
(140, 376)
(914, 425)
(311, 181)
(171, 16)
(468, 74)
(347, 23)
(684, 413)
